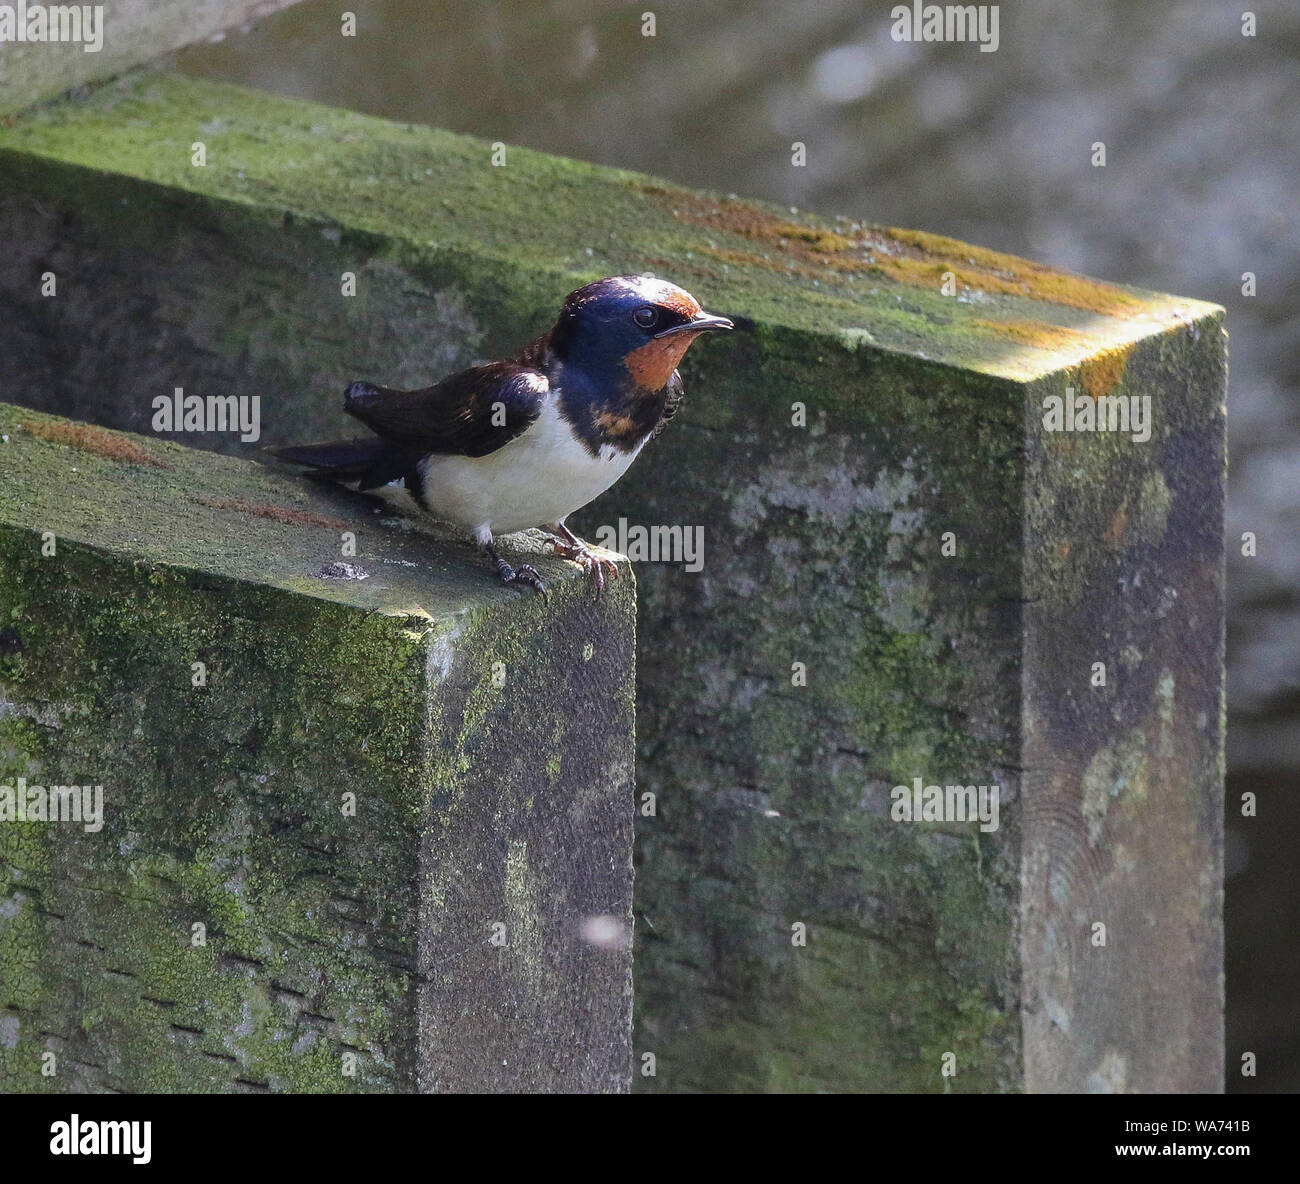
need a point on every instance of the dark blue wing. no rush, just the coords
(471, 413)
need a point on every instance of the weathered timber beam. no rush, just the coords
(354, 833)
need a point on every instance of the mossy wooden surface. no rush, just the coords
(1122, 897)
(484, 736)
(921, 416)
(388, 195)
(823, 547)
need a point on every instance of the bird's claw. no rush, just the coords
(525, 573)
(592, 564)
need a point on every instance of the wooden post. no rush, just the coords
(352, 821)
(921, 564)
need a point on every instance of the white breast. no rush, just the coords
(538, 478)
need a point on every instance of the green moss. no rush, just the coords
(224, 803)
(191, 832)
(432, 201)
(1105, 478)
(823, 546)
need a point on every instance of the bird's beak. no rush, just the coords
(698, 325)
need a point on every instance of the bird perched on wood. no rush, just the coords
(527, 441)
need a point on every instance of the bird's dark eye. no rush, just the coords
(646, 317)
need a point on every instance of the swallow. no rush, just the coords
(527, 441)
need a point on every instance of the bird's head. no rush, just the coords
(633, 323)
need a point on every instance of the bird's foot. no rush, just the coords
(593, 565)
(525, 573)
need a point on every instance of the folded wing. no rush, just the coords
(471, 413)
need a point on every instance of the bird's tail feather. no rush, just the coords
(370, 460)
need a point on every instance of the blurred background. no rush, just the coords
(1202, 184)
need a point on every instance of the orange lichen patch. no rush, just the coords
(908, 256)
(1040, 285)
(1039, 334)
(1060, 444)
(1076, 291)
(818, 239)
(1118, 527)
(954, 250)
(931, 273)
(275, 513)
(100, 441)
(652, 365)
(727, 213)
(1035, 280)
(1101, 374)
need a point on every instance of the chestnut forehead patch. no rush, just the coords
(668, 295)
(646, 288)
